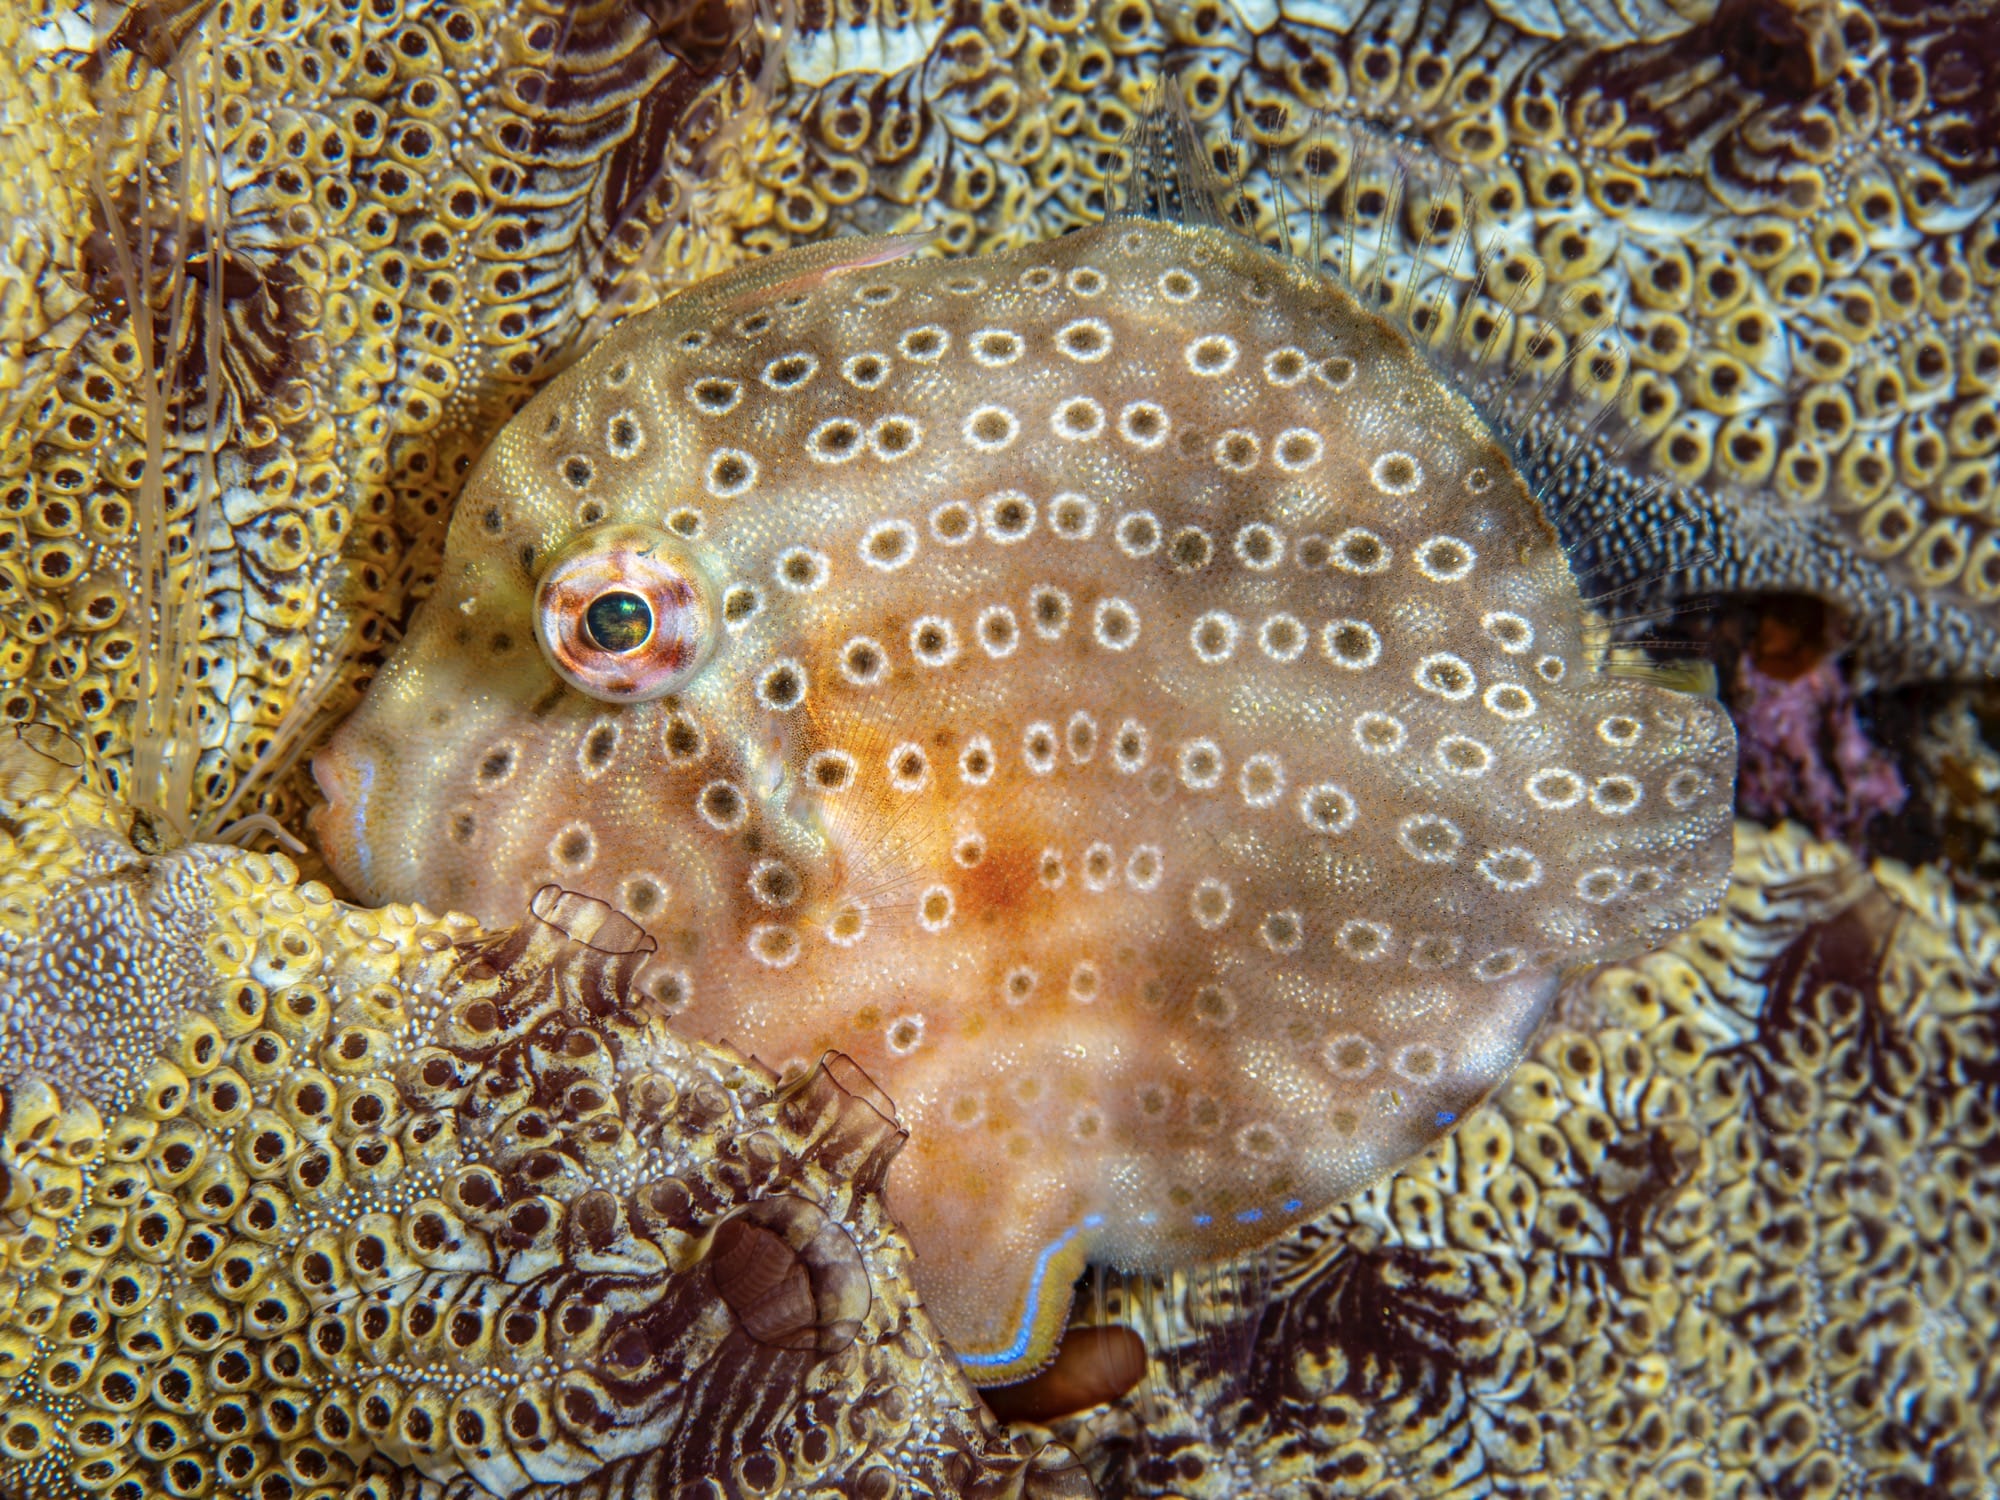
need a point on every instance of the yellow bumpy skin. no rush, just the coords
(1116, 691)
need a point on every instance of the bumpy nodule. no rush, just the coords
(1115, 691)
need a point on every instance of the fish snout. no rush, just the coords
(346, 774)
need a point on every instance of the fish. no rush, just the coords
(1119, 691)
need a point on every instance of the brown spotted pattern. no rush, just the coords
(1146, 721)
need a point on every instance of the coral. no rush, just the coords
(45, 133)
(1120, 663)
(1730, 1232)
(1784, 216)
(275, 272)
(1955, 747)
(303, 1200)
(1804, 753)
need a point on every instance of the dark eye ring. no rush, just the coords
(623, 614)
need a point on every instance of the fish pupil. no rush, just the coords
(618, 622)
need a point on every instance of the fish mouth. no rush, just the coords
(339, 825)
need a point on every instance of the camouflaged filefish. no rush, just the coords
(1119, 691)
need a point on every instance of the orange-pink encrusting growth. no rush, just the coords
(1145, 721)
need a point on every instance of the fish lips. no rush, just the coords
(346, 774)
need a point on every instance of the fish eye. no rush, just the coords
(624, 614)
(618, 621)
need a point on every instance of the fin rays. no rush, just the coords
(1167, 174)
(1408, 238)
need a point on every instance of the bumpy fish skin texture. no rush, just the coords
(1147, 724)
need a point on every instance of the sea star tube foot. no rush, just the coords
(1118, 691)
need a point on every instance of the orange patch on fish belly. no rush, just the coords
(1117, 691)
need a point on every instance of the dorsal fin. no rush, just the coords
(1420, 241)
(1167, 174)
(1441, 251)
